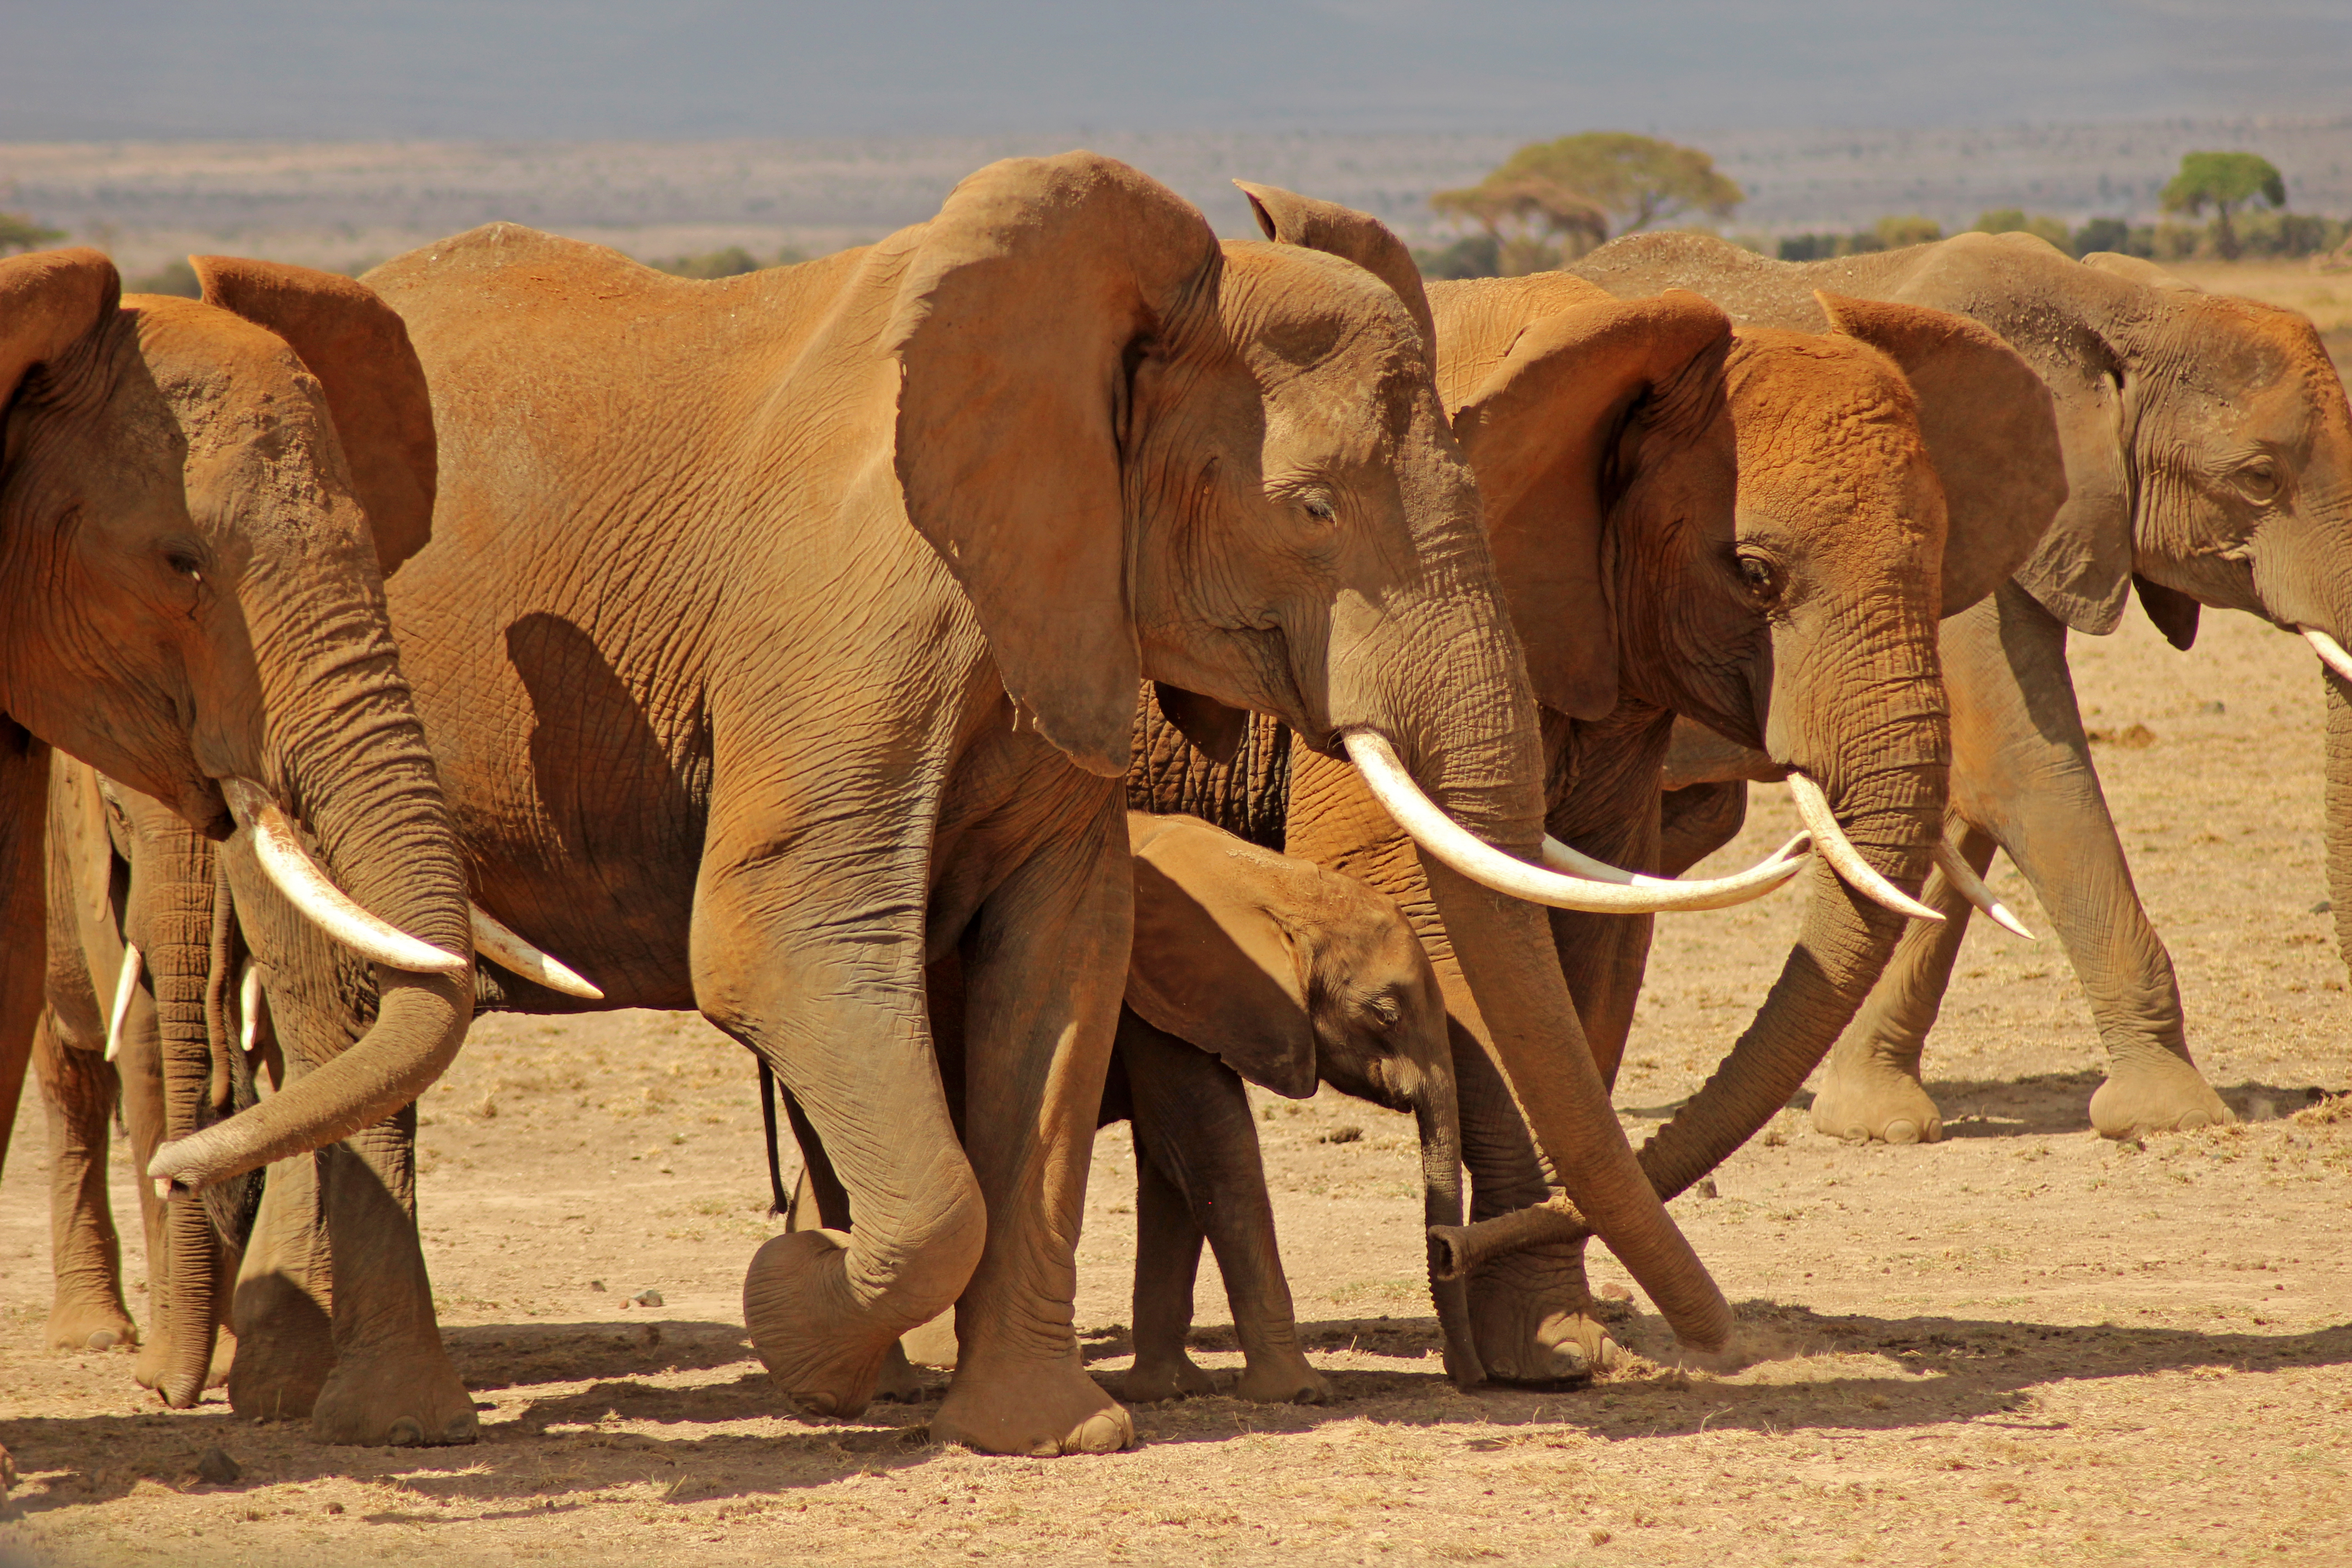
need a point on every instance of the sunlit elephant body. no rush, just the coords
(2209, 460)
(1750, 530)
(196, 509)
(780, 635)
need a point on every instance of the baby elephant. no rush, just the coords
(1250, 965)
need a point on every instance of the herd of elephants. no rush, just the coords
(1050, 667)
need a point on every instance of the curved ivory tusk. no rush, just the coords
(248, 1006)
(1447, 841)
(1709, 893)
(1835, 848)
(277, 845)
(2331, 652)
(127, 982)
(1972, 887)
(497, 940)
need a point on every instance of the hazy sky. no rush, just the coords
(79, 70)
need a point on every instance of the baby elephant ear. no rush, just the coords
(358, 347)
(1288, 218)
(1991, 429)
(1214, 964)
(1024, 313)
(50, 300)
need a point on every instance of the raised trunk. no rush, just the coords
(1441, 1184)
(2338, 806)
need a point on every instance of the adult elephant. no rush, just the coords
(2209, 460)
(1746, 528)
(781, 633)
(196, 515)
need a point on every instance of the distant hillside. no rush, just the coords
(334, 203)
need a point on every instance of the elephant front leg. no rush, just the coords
(282, 1306)
(1196, 1143)
(1044, 962)
(79, 1090)
(392, 1381)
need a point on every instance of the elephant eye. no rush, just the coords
(1762, 578)
(2258, 480)
(1319, 509)
(184, 562)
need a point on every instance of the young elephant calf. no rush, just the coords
(1246, 964)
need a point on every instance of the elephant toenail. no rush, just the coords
(462, 1429)
(1903, 1132)
(102, 1340)
(405, 1432)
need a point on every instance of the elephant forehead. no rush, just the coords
(1801, 402)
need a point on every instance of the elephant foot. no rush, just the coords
(1154, 1380)
(1865, 1098)
(899, 1381)
(80, 1326)
(795, 1306)
(1282, 1379)
(1533, 1319)
(406, 1397)
(2157, 1093)
(1037, 1408)
(153, 1369)
(285, 1351)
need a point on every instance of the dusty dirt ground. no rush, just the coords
(2022, 1345)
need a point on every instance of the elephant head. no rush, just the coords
(1292, 975)
(1224, 468)
(198, 502)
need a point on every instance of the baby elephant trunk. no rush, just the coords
(1441, 1184)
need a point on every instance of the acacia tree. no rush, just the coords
(18, 232)
(1576, 186)
(2223, 180)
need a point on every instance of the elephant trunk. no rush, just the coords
(2339, 805)
(1480, 762)
(348, 759)
(1889, 798)
(1439, 1123)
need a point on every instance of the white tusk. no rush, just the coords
(1710, 893)
(1835, 848)
(277, 845)
(1972, 887)
(2331, 652)
(248, 1006)
(1448, 841)
(497, 940)
(123, 987)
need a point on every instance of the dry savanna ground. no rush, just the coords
(2022, 1345)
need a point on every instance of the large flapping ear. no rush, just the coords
(48, 301)
(1991, 429)
(1214, 964)
(1539, 430)
(1288, 218)
(1021, 317)
(358, 347)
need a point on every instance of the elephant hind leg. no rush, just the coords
(1167, 1243)
(79, 1089)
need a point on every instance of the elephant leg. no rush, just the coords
(820, 1202)
(392, 1381)
(79, 1090)
(1044, 962)
(1871, 1087)
(1531, 1312)
(1195, 1137)
(2021, 772)
(1168, 1242)
(24, 914)
(282, 1303)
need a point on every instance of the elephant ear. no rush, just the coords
(1214, 964)
(49, 301)
(358, 347)
(1288, 218)
(1541, 431)
(1024, 312)
(1991, 429)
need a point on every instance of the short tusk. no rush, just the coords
(1972, 887)
(497, 940)
(248, 1006)
(1447, 841)
(2331, 652)
(1835, 848)
(124, 986)
(277, 845)
(1707, 893)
